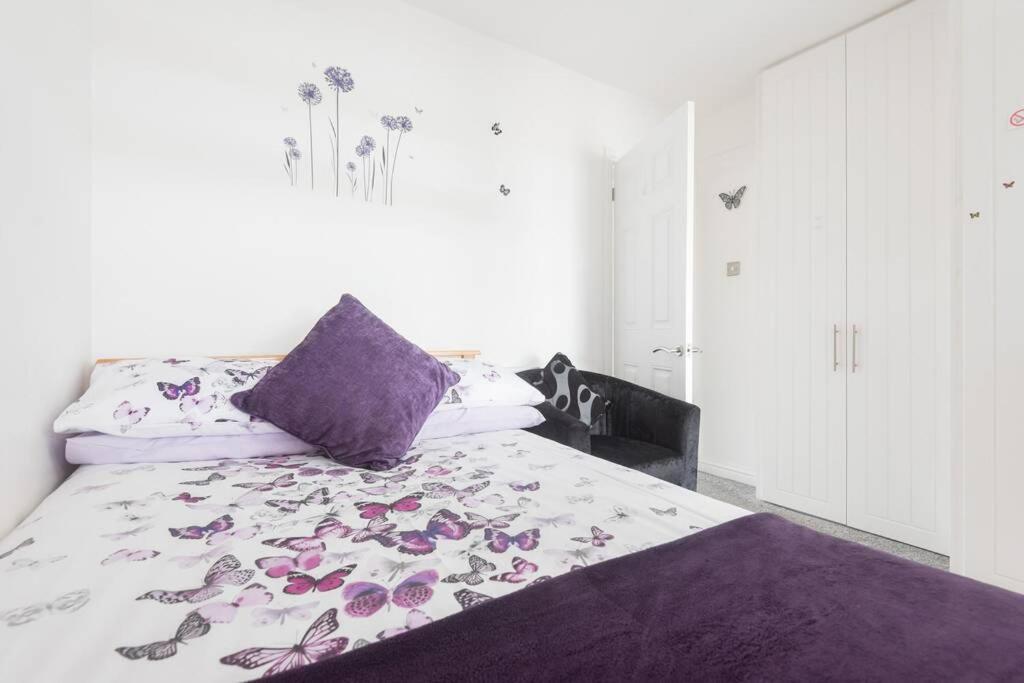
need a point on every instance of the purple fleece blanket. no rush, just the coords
(756, 598)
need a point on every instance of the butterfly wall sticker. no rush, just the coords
(194, 626)
(314, 646)
(1009, 184)
(975, 214)
(732, 201)
(496, 128)
(505, 190)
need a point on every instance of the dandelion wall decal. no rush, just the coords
(310, 94)
(389, 123)
(339, 80)
(404, 126)
(364, 150)
(291, 158)
(350, 167)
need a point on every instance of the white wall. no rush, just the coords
(200, 244)
(988, 506)
(726, 158)
(44, 239)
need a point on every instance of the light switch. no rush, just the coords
(732, 268)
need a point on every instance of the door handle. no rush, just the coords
(853, 364)
(835, 348)
(675, 351)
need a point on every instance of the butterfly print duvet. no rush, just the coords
(169, 573)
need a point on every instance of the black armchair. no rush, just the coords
(642, 429)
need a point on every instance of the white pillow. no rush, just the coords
(170, 397)
(105, 449)
(486, 384)
(457, 420)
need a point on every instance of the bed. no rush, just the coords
(215, 570)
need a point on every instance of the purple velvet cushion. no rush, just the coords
(354, 387)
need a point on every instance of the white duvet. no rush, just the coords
(236, 569)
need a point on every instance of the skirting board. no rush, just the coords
(727, 472)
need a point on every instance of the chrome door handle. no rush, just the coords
(835, 348)
(675, 351)
(853, 364)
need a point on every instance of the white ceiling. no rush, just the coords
(666, 50)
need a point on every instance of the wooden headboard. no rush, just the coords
(462, 354)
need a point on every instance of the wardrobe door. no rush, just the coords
(900, 212)
(801, 267)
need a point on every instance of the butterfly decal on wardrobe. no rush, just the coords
(732, 201)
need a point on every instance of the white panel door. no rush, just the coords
(652, 188)
(900, 212)
(801, 253)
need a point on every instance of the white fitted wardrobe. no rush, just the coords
(857, 201)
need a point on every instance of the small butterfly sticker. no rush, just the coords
(975, 214)
(1009, 184)
(496, 128)
(732, 201)
(504, 190)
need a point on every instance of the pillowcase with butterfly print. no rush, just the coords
(160, 397)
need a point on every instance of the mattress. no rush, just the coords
(231, 570)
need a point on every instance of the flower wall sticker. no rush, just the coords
(292, 155)
(310, 94)
(363, 172)
(339, 80)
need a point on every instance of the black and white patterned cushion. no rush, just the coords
(565, 388)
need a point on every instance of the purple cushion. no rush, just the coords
(354, 387)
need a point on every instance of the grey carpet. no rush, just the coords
(742, 495)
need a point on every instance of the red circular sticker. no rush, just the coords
(1017, 118)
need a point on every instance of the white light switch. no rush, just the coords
(732, 268)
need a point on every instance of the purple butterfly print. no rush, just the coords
(413, 619)
(327, 528)
(379, 530)
(172, 392)
(243, 377)
(192, 627)
(475, 576)
(279, 566)
(129, 416)
(372, 510)
(215, 476)
(224, 572)
(522, 569)
(365, 598)
(597, 538)
(300, 584)
(521, 487)
(265, 616)
(225, 612)
(480, 522)
(466, 496)
(467, 598)
(391, 484)
(126, 555)
(284, 481)
(318, 497)
(444, 524)
(189, 498)
(499, 541)
(197, 532)
(314, 646)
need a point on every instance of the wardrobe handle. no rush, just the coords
(835, 348)
(853, 364)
